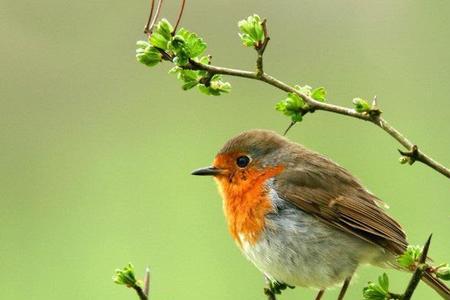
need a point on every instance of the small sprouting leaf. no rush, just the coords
(216, 86)
(410, 257)
(292, 106)
(142, 44)
(443, 272)
(158, 41)
(361, 105)
(125, 276)
(149, 55)
(204, 60)
(164, 28)
(383, 280)
(319, 94)
(161, 35)
(189, 85)
(377, 291)
(252, 32)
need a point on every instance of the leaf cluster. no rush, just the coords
(182, 48)
(410, 257)
(295, 107)
(125, 276)
(252, 31)
(379, 290)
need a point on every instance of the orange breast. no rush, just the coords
(246, 202)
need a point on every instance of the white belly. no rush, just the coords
(298, 249)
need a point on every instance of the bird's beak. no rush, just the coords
(210, 171)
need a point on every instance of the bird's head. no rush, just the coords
(248, 156)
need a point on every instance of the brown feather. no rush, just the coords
(320, 187)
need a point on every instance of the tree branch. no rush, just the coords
(418, 273)
(140, 292)
(412, 150)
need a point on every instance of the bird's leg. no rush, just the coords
(274, 288)
(268, 290)
(344, 288)
(320, 294)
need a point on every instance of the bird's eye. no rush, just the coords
(242, 161)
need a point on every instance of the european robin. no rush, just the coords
(302, 219)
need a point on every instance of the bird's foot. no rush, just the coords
(275, 288)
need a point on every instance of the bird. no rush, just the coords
(299, 217)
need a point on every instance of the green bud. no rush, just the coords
(443, 272)
(296, 117)
(410, 257)
(252, 32)
(149, 56)
(164, 28)
(403, 160)
(361, 105)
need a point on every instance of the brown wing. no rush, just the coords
(322, 188)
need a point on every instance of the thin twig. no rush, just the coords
(289, 127)
(317, 105)
(260, 50)
(147, 30)
(147, 282)
(418, 273)
(180, 14)
(140, 292)
(149, 27)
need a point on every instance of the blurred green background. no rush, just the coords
(96, 149)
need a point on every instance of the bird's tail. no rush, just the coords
(437, 285)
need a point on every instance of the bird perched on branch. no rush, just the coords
(299, 217)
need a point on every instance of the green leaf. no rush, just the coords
(149, 55)
(189, 85)
(188, 75)
(378, 291)
(296, 117)
(383, 280)
(252, 32)
(142, 44)
(189, 43)
(164, 28)
(319, 94)
(161, 35)
(291, 105)
(410, 256)
(361, 105)
(204, 60)
(158, 40)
